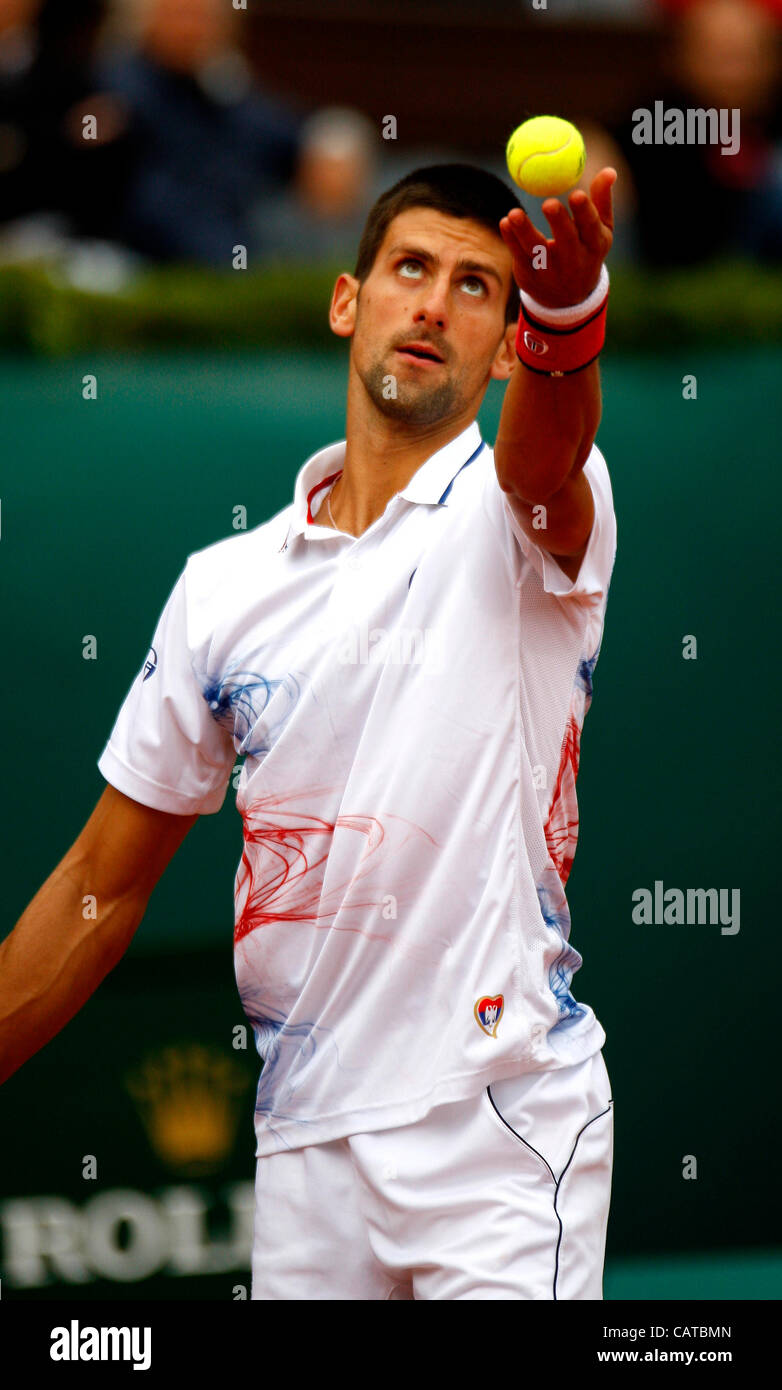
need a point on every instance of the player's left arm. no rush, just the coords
(548, 424)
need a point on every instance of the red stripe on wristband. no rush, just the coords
(558, 351)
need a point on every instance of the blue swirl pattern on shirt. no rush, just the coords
(238, 700)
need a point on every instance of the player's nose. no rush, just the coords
(433, 305)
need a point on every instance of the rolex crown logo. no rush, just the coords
(188, 1099)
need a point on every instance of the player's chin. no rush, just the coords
(420, 408)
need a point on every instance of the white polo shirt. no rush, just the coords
(409, 706)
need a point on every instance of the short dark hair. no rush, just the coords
(458, 190)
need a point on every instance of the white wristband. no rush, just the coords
(573, 312)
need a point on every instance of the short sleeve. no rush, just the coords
(166, 750)
(597, 565)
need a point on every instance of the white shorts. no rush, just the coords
(502, 1196)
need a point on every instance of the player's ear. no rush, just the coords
(505, 358)
(344, 306)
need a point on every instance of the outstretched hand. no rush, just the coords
(574, 253)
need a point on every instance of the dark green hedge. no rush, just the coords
(40, 312)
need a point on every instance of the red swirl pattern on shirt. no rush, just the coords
(561, 827)
(283, 865)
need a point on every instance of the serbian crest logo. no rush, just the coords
(488, 1012)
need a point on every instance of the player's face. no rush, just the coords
(440, 282)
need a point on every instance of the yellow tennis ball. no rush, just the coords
(545, 156)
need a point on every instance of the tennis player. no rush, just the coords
(403, 657)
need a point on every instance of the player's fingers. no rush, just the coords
(562, 226)
(522, 235)
(588, 222)
(602, 196)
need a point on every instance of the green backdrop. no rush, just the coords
(101, 502)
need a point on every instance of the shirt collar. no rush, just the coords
(429, 483)
(313, 475)
(433, 478)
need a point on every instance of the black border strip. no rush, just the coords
(540, 371)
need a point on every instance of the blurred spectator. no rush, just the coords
(205, 142)
(689, 202)
(321, 215)
(46, 87)
(18, 47)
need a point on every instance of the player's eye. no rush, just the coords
(475, 287)
(478, 287)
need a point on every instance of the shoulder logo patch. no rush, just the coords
(488, 1012)
(150, 667)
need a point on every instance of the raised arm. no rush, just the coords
(56, 956)
(548, 423)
